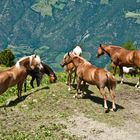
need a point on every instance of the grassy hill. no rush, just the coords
(50, 112)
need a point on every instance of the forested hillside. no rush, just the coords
(52, 27)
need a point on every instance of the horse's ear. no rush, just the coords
(35, 55)
(100, 45)
(68, 53)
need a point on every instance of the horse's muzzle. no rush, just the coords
(97, 55)
(62, 65)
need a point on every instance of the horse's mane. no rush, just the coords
(21, 59)
(47, 69)
(30, 59)
(115, 46)
(83, 59)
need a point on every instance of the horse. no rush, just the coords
(77, 50)
(70, 69)
(120, 57)
(90, 74)
(130, 70)
(38, 74)
(18, 73)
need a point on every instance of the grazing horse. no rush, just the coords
(38, 74)
(18, 73)
(86, 72)
(120, 57)
(130, 70)
(70, 69)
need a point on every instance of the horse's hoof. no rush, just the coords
(137, 86)
(82, 95)
(107, 110)
(113, 109)
(20, 98)
(69, 89)
(75, 96)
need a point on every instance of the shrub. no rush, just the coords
(7, 57)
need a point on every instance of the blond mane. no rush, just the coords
(83, 59)
(21, 59)
(37, 58)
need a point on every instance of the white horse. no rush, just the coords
(130, 70)
(77, 50)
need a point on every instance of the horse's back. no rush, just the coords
(104, 78)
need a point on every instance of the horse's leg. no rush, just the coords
(83, 89)
(114, 68)
(38, 78)
(32, 81)
(38, 81)
(112, 93)
(78, 86)
(103, 93)
(69, 80)
(138, 84)
(121, 74)
(74, 77)
(19, 87)
(25, 84)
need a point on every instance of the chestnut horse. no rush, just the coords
(86, 72)
(69, 69)
(120, 57)
(18, 73)
(38, 74)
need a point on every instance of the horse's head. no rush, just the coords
(30, 62)
(67, 58)
(52, 78)
(100, 51)
(35, 62)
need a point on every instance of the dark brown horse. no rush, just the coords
(18, 73)
(86, 72)
(120, 57)
(38, 74)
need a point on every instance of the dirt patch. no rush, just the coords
(89, 129)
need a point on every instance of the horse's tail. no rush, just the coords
(111, 81)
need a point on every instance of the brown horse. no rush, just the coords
(120, 57)
(69, 69)
(18, 73)
(86, 72)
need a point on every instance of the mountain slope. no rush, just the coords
(52, 31)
